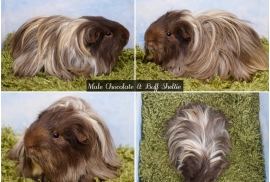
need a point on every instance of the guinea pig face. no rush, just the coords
(196, 169)
(167, 38)
(59, 140)
(105, 38)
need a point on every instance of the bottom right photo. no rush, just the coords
(203, 137)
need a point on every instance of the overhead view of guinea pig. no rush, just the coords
(203, 45)
(67, 142)
(66, 47)
(198, 142)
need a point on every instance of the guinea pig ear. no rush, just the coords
(81, 134)
(93, 36)
(185, 31)
(81, 137)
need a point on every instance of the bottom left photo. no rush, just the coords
(67, 136)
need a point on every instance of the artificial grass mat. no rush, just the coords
(8, 171)
(151, 71)
(123, 70)
(246, 159)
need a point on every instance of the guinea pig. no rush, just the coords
(67, 143)
(198, 142)
(204, 45)
(66, 47)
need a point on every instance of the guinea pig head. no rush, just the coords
(197, 169)
(168, 38)
(103, 38)
(60, 140)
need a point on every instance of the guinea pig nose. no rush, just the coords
(150, 41)
(30, 148)
(125, 36)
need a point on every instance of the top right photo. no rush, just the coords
(210, 45)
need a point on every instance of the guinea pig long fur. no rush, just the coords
(204, 45)
(67, 143)
(198, 142)
(66, 47)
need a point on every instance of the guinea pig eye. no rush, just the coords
(169, 33)
(56, 135)
(108, 33)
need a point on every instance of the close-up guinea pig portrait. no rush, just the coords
(68, 141)
(63, 44)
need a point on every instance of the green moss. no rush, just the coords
(265, 43)
(246, 158)
(8, 140)
(151, 71)
(125, 155)
(124, 70)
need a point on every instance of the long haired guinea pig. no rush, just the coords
(204, 45)
(198, 142)
(67, 142)
(66, 47)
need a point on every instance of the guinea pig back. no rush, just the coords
(67, 142)
(66, 47)
(203, 45)
(198, 142)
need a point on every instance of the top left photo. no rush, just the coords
(59, 45)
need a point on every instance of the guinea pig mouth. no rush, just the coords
(149, 56)
(125, 35)
(150, 51)
(31, 151)
(151, 46)
(123, 41)
(125, 38)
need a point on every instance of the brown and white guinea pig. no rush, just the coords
(204, 45)
(66, 47)
(198, 142)
(67, 143)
